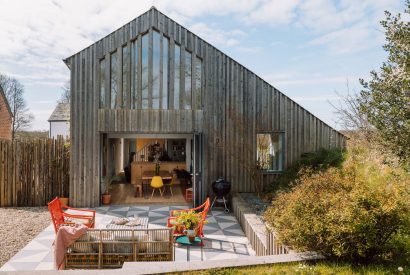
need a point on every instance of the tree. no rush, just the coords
(65, 95)
(385, 99)
(14, 91)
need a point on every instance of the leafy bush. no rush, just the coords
(358, 212)
(320, 160)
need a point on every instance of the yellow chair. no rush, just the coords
(156, 183)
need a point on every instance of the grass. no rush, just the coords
(322, 267)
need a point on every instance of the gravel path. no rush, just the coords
(18, 226)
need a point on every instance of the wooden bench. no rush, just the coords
(110, 248)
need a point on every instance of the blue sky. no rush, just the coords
(307, 49)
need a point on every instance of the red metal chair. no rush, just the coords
(59, 217)
(203, 209)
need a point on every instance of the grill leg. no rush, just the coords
(226, 210)
(212, 205)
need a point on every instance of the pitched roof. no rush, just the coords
(61, 112)
(6, 102)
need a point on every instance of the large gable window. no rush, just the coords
(151, 72)
(269, 150)
(102, 85)
(177, 75)
(144, 71)
(188, 80)
(156, 62)
(114, 80)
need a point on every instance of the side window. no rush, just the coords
(269, 150)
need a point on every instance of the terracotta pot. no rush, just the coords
(106, 198)
(64, 201)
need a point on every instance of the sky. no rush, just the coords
(311, 50)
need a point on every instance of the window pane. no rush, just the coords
(144, 73)
(155, 70)
(188, 79)
(102, 84)
(270, 151)
(134, 62)
(125, 74)
(165, 50)
(198, 83)
(114, 80)
(177, 77)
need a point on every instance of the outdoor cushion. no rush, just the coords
(88, 243)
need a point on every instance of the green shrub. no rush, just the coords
(320, 160)
(358, 212)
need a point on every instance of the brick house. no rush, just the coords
(5, 117)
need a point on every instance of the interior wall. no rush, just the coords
(118, 156)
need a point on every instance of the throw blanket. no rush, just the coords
(66, 236)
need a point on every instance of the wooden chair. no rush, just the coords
(202, 209)
(59, 217)
(169, 184)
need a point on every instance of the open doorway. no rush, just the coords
(132, 162)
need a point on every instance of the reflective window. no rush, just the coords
(270, 153)
(144, 71)
(198, 83)
(125, 76)
(188, 79)
(102, 84)
(134, 82)
(165, 62)
(177, 75)
(114, 80)
(156, 59)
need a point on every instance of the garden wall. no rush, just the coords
(262, 240)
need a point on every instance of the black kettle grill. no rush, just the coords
(221, 189)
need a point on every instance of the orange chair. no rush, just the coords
(59, 217)
(203, 209)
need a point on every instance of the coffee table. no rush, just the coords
(143, 225)
(183, 240)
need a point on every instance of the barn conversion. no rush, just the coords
(154, 95)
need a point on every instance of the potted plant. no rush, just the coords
(106, 196)
(190, 221)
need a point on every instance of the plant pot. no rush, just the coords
(191, 235)
(106, 198)
(64, 201)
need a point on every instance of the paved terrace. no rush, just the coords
(224, 238)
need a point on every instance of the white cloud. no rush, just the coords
(273, 12)
(37, 35)
(324, 97)
(216, 36)
(313, 79)
(350, 39)
(255, 49)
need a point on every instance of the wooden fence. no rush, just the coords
(32, 172)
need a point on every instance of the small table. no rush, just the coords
(143, 225)
(183, 240)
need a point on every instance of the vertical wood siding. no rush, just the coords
(237, 104)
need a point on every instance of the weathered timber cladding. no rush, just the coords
(237, 104)
(32, 173)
